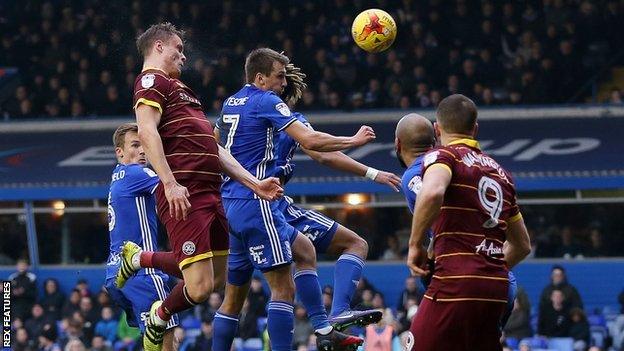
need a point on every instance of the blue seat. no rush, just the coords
(596, 320)
(512, 343)
(598, 335)
(561, 344)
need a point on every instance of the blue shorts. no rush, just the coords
(138, 295)
(318, 228)
(260, 237)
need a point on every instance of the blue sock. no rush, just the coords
(223, 331)
(347, 274)
(309, 292)
(281, 323)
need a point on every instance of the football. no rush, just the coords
(374, 30)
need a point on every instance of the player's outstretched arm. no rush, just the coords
(518, 245)
(319, 141)
(435, 181)
(339, 161)
(267, 189)
(177, 195)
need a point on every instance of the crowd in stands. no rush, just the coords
(77, 58)
(84, 320)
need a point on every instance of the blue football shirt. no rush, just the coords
(132, 209)
(249, 123)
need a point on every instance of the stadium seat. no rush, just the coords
(598, 335)
(512, 343)
(597, 320)
(561, 344)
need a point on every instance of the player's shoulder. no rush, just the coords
(135, 170)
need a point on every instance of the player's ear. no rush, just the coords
(436, 129)
(158, 45)
(119, 153)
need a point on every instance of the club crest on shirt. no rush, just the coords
(188, 248)
(283, 109)
(147, 81)
(430, 158)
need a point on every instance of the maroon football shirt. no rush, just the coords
(187, 136)
(470, 230)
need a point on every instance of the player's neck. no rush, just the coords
(446, 139)
(151, 64)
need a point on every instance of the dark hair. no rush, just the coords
(161, 31)
(119, 138)
(457, 114)
(559, 267)
(261, 61)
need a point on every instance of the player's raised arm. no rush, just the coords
(517, 245)
(339, 161)
(319, 141)
(267, 189)
(148, 118)
(435, 181)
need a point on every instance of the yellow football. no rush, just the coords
(374, 30)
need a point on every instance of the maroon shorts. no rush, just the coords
(204, 233)
(457, 326)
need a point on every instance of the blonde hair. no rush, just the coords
(119, 137)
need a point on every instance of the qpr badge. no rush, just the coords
(147, 81)
(188, 248)
(283, 109)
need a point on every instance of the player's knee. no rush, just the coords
(359, 247)
(200, 291)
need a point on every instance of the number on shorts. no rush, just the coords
(492, 207)
(233, 120)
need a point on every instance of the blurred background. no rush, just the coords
(547, 76)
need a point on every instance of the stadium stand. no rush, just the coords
(77, 59)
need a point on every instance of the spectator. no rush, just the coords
(615, 98)
(22, 341)
(579, 329)
(97, 344)
(52, 300)
(597, 247)
(75, 345)
(258, 298)
(568, 248)
(203, 342)
(127, 336)
(411, 291)
(88, 312)
(303, 328)
(23, 290)
(75, 331)
(559, 281)
(519, 323)
(393, 249)
(47, 339)
(212, 306)
(83, 287)
(378, 337)
(72, 304)
(107, 326)
(554, 320)
(248, 322)
(38, 319)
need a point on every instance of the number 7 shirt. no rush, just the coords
(469, 233)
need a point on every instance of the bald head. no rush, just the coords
(415, 132)
(457, 114)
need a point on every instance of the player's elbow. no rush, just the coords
(311, 143)
(525, 249)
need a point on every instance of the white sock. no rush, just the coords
(159, 321)
(136, 261)
(325, 331)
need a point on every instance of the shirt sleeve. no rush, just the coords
(275, 111)
(151, 89)
(141, 180)
(438, 158)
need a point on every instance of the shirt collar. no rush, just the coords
(154, 68)
(468, 142)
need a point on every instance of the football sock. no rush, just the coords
(309, 292)
(281, 322)
(224, 329)
(347, 274)
(165, 261)
(177, 301)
